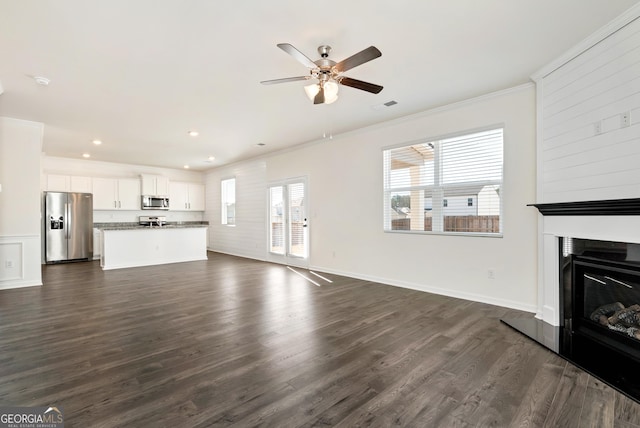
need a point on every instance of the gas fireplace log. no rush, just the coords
(602, 314)
(629, 331)
(628, 317)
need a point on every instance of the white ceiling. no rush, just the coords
(139, 74)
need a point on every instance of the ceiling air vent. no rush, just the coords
(384, 105)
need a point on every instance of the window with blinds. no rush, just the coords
(228, 201)
(450, 185)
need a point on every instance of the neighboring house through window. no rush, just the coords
(447, 185)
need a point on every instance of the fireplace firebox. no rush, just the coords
(600, 312)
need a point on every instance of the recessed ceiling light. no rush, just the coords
(186, 167)
(86, 155)
(40, 80)
(193, 133)
(97, 142)
(211, 158)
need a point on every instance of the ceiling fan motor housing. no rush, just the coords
(324, 50)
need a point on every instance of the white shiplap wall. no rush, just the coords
(248, 237)
(588, 151)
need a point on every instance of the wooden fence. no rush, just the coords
(459, 223)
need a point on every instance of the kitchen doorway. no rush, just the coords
(288, 240)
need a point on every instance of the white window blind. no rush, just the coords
(228, 201)
(449, 185)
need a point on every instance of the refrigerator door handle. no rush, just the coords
(66, 221)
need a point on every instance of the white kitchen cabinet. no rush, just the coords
(186, 196)
(58, 183)
(116, 194)
(154, 185)
(68, 183)
(81, 184)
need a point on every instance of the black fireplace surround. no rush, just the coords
(599, 309)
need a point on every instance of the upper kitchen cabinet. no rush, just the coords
(116, 194)
(186, 196)
(68, 183)
(154, 185)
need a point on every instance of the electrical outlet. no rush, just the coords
(491, 274)
(624, 120)
(8, 264)
(597, 127)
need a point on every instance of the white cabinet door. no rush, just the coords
(81, 184)
(186, 196)
(154, 185)
(196, 197)
(128, 194)
(162, 186)
(68, 183)
(116, 194)
(178, 196)
(105, 194)
(148, 184)
(58, 183)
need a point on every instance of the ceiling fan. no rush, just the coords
(329, 73)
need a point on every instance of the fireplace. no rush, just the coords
(599, 327)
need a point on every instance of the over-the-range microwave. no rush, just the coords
(155, 202)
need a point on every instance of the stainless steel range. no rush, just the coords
(152, 221)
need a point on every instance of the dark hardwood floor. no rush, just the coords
(238, 342)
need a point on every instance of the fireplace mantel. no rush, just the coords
(586, 208)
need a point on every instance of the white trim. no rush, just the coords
(244, 256)
(19, 284)
(30, 264)
(599, 35)
(409, 285)
(443, 291)
(19, 276)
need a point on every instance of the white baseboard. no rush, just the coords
(435, 290)
(7, 285)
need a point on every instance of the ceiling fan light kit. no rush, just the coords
(330, 91)
(329, 73)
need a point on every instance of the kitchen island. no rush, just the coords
(131, 245)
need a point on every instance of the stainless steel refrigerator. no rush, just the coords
(68, 224)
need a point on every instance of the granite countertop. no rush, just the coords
(135, 226)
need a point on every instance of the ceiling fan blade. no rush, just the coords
(285, 80)
(319, 98)
(360, 58)
(359, 84)
(299, 56)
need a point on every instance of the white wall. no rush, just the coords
(345, 201)
(20, 147)
(585, 151)
(248, 237)
(588, 151)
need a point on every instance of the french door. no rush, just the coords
(288, 228)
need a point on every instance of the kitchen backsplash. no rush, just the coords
(132, 216)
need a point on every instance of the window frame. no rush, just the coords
(224, 204)
(388, 191)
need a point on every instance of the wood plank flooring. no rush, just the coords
(242, 343)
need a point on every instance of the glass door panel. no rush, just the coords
(288, 228)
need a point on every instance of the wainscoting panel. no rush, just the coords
(20, 264)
